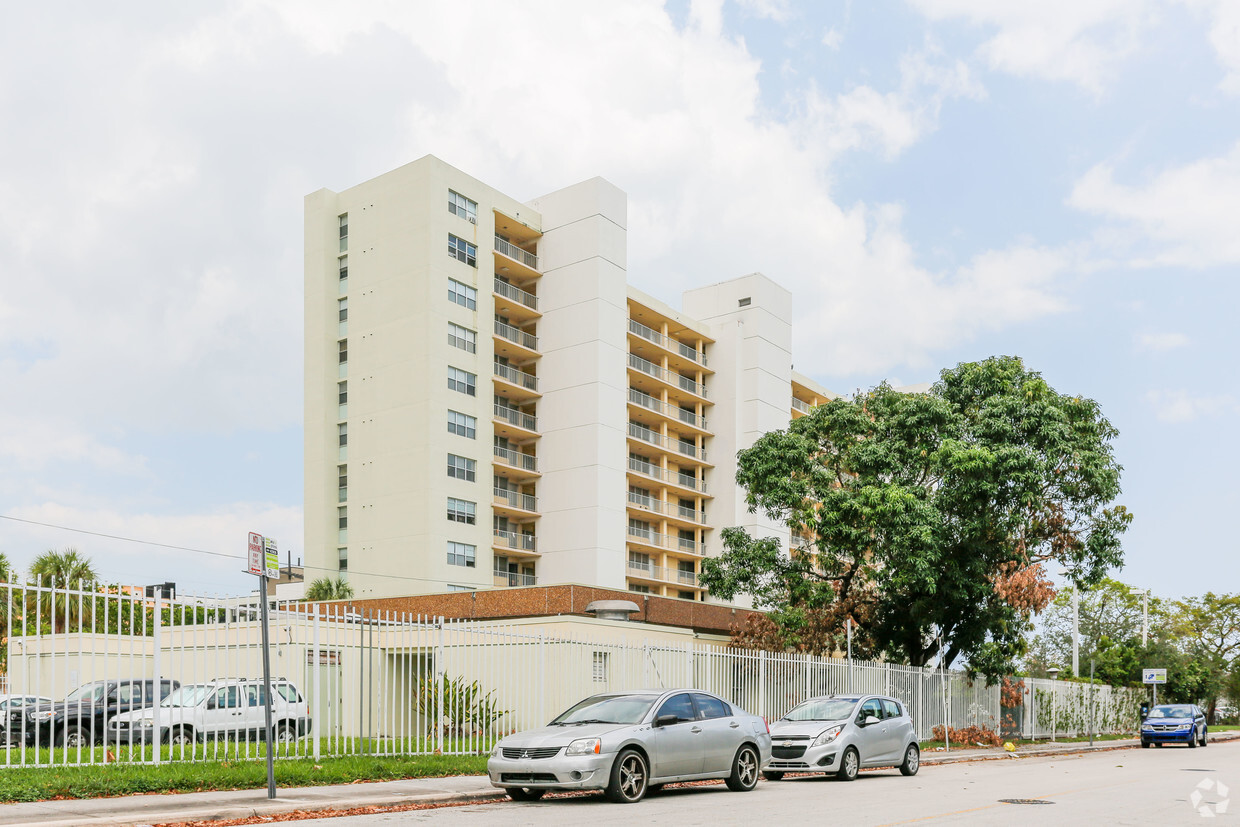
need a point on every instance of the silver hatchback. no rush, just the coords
(628, 743)
(840, 734)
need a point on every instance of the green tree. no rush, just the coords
(930, 518)
(325, 588)
(61, 570)
(1208, 630)
(1108, 611)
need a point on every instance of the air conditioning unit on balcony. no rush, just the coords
(473, 219)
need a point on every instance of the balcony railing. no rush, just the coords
(653, 437)
(650, 403)
(650, 537)
(799, 405)
(650, 335)
(516, 459)
(658, 473)
(511, 578)
(672, 509)
(515, 499)
(662, 574)
(517, 376)
(521, 420)
(516, 540)
(508, 291)
(516, 334)
(516, 253)
(651, 369)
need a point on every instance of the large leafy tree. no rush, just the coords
(1109, 615)
(930, 519)
(61, 570)
(1208, 630)
(325, 588)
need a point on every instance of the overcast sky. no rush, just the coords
(935, 181)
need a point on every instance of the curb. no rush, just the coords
(1041, 752)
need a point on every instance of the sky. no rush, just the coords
(936, 181)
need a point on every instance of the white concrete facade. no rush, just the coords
(488, 403)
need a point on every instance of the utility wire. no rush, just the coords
(203, 551)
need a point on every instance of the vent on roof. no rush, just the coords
(743, 302)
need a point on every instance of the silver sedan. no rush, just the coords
(627, 743)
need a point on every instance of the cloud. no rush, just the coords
(1161, 341)
(1224, 34)
(1179, 406)
(1183, 216)
(1084, 42)
(778, 10)
(832, 38)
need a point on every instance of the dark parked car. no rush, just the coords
(12, 708)
(1175, 724)
(82, 718)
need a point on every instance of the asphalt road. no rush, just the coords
(1134, 786)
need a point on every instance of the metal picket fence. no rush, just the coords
(393, 683)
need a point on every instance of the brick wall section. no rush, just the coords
(543, 601)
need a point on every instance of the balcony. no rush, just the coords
(679, 349)
(662, 574)
(670, 477)
(516, 418)
(672, 412)
(514, 302)
(668, 377)
(674, 510)
(801, 406)
(516, 500)
(650, 537)
(506, 579)
(516, 460)
(527, 341)
(517, 384)
(511, 258)
(516, 541)
(641, 432)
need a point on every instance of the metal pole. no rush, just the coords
(1091, 701)
(1076, 630)
(1145, 616)
(157, 697)
(267, 733)
(848, 626)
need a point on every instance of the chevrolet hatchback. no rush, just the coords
(841, 734)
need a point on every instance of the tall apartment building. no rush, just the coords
(488, 403)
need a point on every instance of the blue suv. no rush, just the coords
(1175, 724)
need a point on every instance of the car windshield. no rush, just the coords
(608, 709)
(187, 696)
(822, 709)
(1171, 712)
(91, 692)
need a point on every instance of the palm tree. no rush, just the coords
(327, 589)
(62, 570)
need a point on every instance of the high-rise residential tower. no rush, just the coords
(488, 402)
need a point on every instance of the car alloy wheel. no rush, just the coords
(1205, 738)
(181, 736)
(1192, 739)
(629, 777)
(850, 765)
(76, 738)
(912, 760)
(744, 775)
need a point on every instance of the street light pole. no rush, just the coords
(1076, 631)
(1145, 613)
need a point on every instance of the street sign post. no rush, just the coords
(264, 561)
(1154, 677)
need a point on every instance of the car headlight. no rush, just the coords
(1185, 726)
(146, 723)
(42, 715)
(585, 746)
(496, 750)
(1147, 727)
(827, 736)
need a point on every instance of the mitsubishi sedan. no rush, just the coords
(628, 743)
(840, 734)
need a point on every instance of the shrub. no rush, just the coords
(969, 735)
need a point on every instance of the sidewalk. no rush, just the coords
(230, 804)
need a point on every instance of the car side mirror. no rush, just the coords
(870, 720)
(210, 703)
(666, 720)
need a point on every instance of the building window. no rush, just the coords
(639, 561)
(462, 380)
(342, 310)
(342, 393)
(639, 588)
(342, 431)
(461, 206)
(599, 670)
(462, 250)
(462, 425)
(343, 261)
(462, 294)
(462, 511)
(461, 554)
(462, 337)
(462, 468)
(344, 351)
(342, 517)
(342, 482)
(342, 554)
(639, 528)
(344, 232)
(684, 595)
(452, 587)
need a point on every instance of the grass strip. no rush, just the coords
(48, 783)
